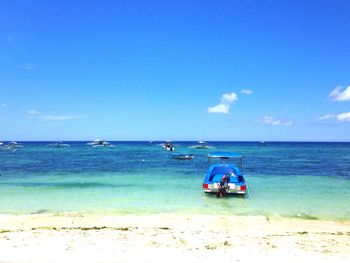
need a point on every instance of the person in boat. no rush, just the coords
(225, 179)
(169, 146)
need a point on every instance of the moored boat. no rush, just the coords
(11, 146)
(100, 143)
(180, 156)
(167, 145)
(58, 144)
(226, 176)
(201, 145)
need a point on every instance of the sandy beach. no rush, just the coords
(170, 238)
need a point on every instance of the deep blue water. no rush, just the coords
(291, 179)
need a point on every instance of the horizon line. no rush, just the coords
(258, 141)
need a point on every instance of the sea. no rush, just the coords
(309, 180)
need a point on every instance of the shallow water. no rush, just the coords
(307, 180)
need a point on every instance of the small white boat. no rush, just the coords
(95, 142)
(11, 146)
(167, 145)
(58, 144)
(100, 143)
(201, 145)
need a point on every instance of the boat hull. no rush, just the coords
(232, 188)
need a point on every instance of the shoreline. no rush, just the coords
(159, 237)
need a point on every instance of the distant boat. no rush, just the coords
(179, 156)
(11, 146)
(95, 142)
(262, 143)
(201, 145)
(14, 144)
(167, 145)
(100, 143)
(58, 144)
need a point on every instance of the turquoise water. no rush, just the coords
(307, 180)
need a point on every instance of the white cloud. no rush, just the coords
(326, 117)
(3, 104)
(247, 91)
(61, 117)
(33, 112)
(343, 117)
(340, 94)
(229, 98)
(224, 107)
(29, 67)
(269, 120)
(220, 108)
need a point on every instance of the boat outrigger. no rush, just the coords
(225, 177)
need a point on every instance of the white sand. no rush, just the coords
(171, 238)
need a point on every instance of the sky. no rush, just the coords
(180, 70)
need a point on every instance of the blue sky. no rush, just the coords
(180, 70)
